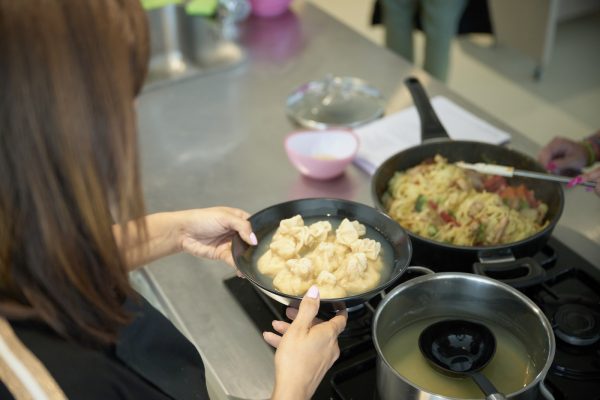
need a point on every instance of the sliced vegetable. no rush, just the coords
(480, 234)
(449, 219)
(494, 183)
(419, 203)
(518, 197)
(523, 204)
(432, 230)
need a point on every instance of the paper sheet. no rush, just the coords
(385, 137)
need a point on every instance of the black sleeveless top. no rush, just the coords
(152, 360)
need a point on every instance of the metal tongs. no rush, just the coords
(507, 171)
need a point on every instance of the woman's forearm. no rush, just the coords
(164, 232)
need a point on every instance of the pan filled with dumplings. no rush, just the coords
(349, 250)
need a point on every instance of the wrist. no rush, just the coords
(592, 149)
(179, 230)
(284, 392)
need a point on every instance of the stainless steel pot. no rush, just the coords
(465, 296)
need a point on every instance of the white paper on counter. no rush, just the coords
(385, 137)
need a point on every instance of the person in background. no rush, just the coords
(567, 157)
(73, 223)
(439, 20)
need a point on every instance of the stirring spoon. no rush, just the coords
(509, 172)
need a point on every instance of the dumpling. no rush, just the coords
(324, 257)
(319, 231)
(284, 247)
(328, 288)
(301, 267)
(302, 236)
(360, 228)
(285, 281)
(369, 247)
(341, 251)
(367, 281)
(293, 229)
(355, 275)
(270, 263)
(295, 278)
(348, 232)
(356, 265)
(287, 226)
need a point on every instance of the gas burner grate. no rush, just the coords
(569, 279)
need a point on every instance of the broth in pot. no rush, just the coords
(509, 370)
(525, 342)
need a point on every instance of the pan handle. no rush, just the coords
(519, 273)
(431, 127)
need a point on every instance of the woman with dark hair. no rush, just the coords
(72, 222)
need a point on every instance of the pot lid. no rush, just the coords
(335, 102)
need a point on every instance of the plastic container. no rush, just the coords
(323, 154)
(269, 8)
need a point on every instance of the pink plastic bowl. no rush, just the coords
(321, 154)
(269, 8)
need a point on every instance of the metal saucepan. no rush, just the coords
(267, 221)
(449, 257)
(403, 373)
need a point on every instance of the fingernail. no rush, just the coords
(313, 292)
(253, 239)
(575, 181)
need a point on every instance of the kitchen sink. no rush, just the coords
(184, 46)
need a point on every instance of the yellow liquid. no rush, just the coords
(509, 370)
(324, 157)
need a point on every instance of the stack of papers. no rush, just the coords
(385, 137)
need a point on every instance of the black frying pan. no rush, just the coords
(267, 221)
(447, 257)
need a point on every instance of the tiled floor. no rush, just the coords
(565, 102)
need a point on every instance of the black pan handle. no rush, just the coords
(431, 127)
(520, 273)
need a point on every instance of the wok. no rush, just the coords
(449, 257)
(267, 221)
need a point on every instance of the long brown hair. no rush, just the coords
(69, 74)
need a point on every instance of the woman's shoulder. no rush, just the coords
(80, 372)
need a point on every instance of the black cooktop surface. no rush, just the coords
(569, 296)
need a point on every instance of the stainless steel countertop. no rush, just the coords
(218, 140)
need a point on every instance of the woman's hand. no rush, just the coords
(205, 232)
(593, 175)
(307, 348)
(563, 155)
(208, 232)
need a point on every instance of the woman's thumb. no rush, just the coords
(309, 307)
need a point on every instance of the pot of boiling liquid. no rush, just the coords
(524, 338)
